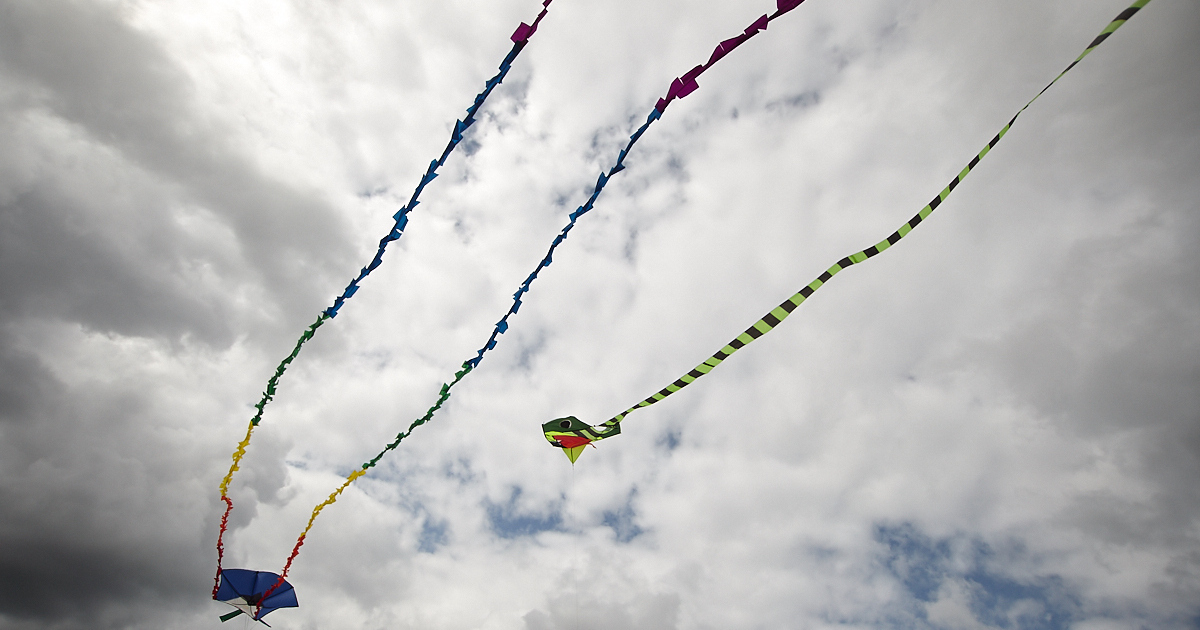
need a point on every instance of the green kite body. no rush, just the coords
(572, 435)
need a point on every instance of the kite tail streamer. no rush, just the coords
(687, 84)
(520, 38)
(237, 458)
(333, 497)
(221, 545)
(501, 327)
(779, 313)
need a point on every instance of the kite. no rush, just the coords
(251, 594)
(520, 38)
(679, 88)
(572, 435)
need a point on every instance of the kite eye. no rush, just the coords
(566, 424)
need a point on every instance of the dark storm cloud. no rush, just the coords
(26, 385)
(57, 261)
(125, 211)
(100, 505)
(36, 587)
(68, 551)
(142, 156)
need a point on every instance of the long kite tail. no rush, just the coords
(680, 88)
(780, 313)
(520, 37)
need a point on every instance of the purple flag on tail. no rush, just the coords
(691, 75)
(522, 33)
(688, 88)
(759, 25)
(786, 5)
(718, 52)
(673, 91)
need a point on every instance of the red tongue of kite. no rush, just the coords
(572, 441)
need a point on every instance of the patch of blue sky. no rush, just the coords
(434, 534)
(508, 521)
(623, 520)
(459, 470)
(917, 561)
(924, 565)
(669, 440)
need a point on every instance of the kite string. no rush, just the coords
(237, 458)
(777, 315)
(578, 552)
(680, 88)
(520, 38)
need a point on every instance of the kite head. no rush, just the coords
(572, 435)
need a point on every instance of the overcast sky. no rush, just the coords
(995, 424)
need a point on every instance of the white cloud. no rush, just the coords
(996, 417)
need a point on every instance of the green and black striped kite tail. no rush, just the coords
(780, 313)
(572, 435)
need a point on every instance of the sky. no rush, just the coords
(994, 424)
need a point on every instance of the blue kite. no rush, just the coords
(254, 593)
